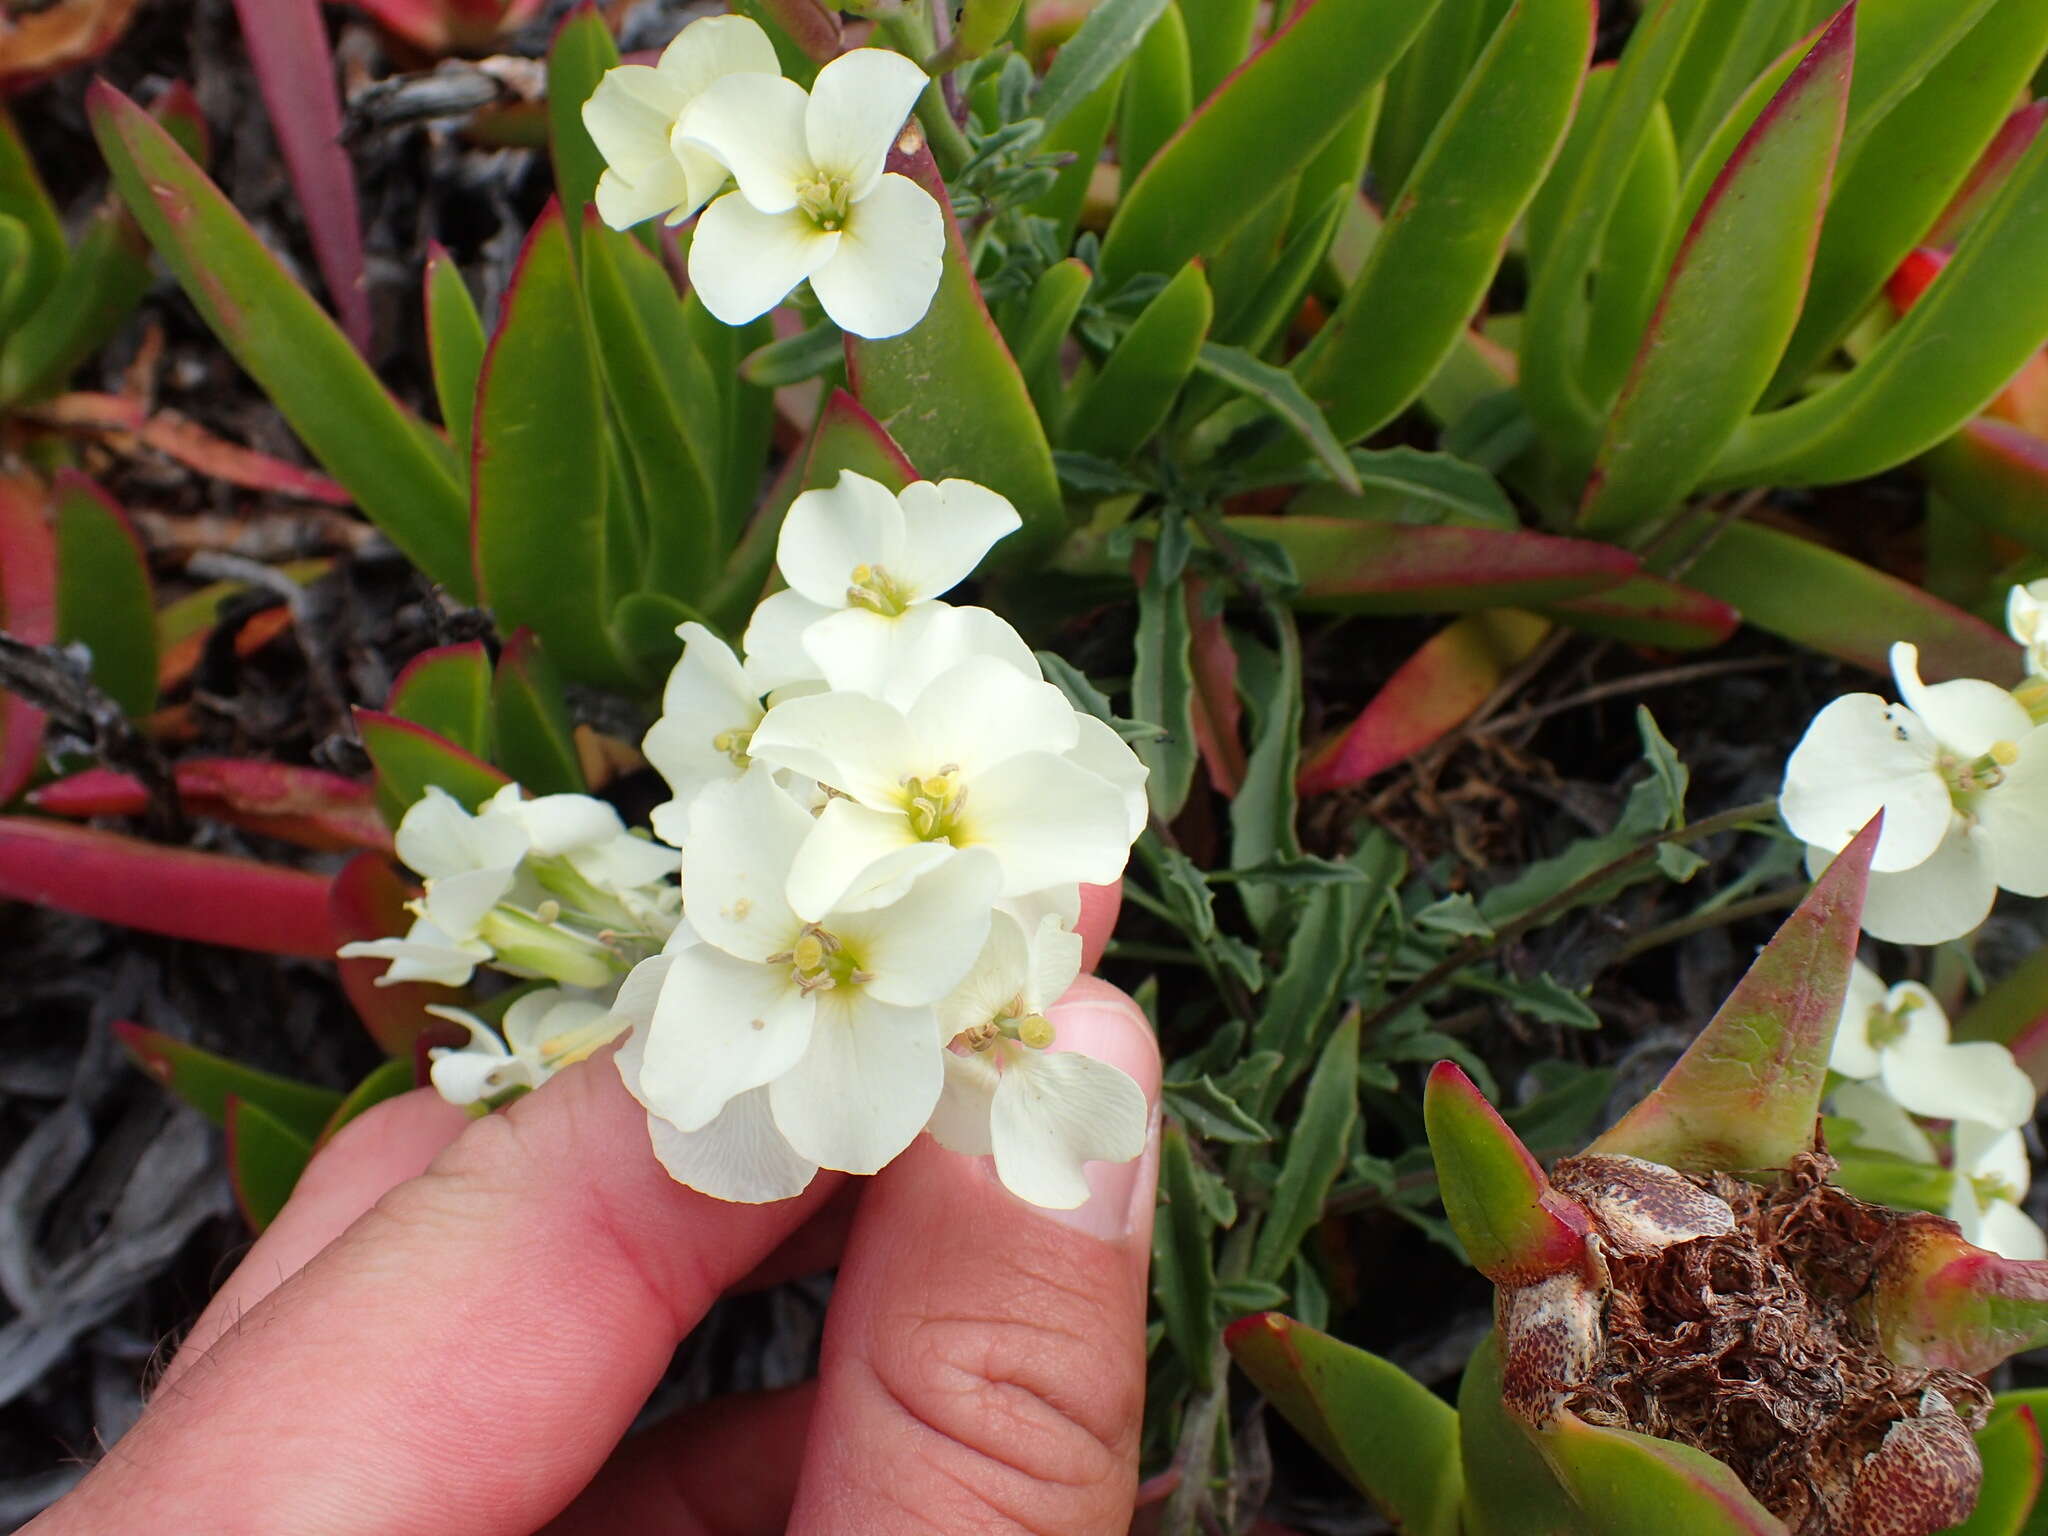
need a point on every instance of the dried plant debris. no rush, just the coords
(1724, 1315)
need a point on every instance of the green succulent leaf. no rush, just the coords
(1219, 37)
(24, 199)
(536, 742)
(455, 347)
(1626, 1483)
(1513, 1226)
(101, 283)
(448, 691)
(1055, 300)
(104, 596)
(1131, 397)
(210, 1083)
(2010, 1446)
(1113, 32)
(1995, 474)
(1157, 95)
(581, 53)
(386, 1080)
(1509, 1491)
(265, 1159)
(409, 758)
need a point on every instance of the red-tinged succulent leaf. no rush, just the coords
(1390, 1436)
(1747, 1091)
(1939, 1303)
(1429, 695)
(306, 806)
(1515, 1228)
(1626, 1484)
(1830, 603)
(367, 901)
(287, 43)
(448, 690)
(178, 661)
(189, 443)
(1732, 299)
(39, 43)
(2012, 141)
(1509, 1491)
(1214, 706)
(205, 897)
(847, 437)
(409, 758)
(1650, 610)
(28, 612)
(811, 26)
(105, 600)
(536, 741)
(2011, 1451)
(1997, 474)
(387, 1080)
(2024, 401)
(1350, 566)
(265, 1159)
(209, 1083)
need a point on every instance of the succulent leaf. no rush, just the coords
(1515, 1227)
(1628, 1483)
(1940, 1303)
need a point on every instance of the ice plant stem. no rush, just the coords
(1740, 818)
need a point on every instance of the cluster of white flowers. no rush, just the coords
(811, 200)
(1960, 770)
(885, 815)
(1900, 1068)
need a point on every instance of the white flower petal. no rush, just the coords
(1881, 1125)
(456, 904)
(858, 745)
(829, 532)
(743, 837)
(776, 657)
(996, 985)
(2014, 816)
(1104, 753)
(1055, 962)
(630, 117)
(559, 824)
(424, 954)
(640, 993)
(881, 279)
(858, 106)
(1940, 899)
(1861, 755)
(722, 1026)
(707, 695)
(1048, 821)
(661, 189)
(1062, 902)
(1055, 1111)
(861, 651)
(866, 1086)
(744, 262)
(856, 858)
(932, 639)
(983, 711)
(948, 528)
(740, 1156)
(1966, 715)
(1976, 1081)
(1992, 1152)
(2007, 1231)
(960, 1123)
(469, 1077)
(438, 837)
(1852, 1054)
(712, 46)
(754, 125)
(918, 949)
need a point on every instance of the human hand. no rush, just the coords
(450, 1326)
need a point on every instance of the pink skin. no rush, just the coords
(451, 1324)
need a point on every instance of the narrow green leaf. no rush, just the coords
(1055, 301)
(1726, 53)
(1081, 132)
(387, 1080)
(1996, 475)
(1288, 100)
(1157, 95)
(1731, 300)
(1407, 485)
(797, 359)
(1631, 265)
(536, 740)
(1391, 1437)
(23, 199)
(1279, 392)
(98, 289)
(1316, 1153)
(1219, 37)
(208, 1082)
(399, 472)
(1626, 1483)
(581, 53)
(1183, 1264)
(455, 348)
(448, 691)
(1107, 39)
(1213, 1113)
(1262, 812)
(1162, 687)
(104, 596)
(265, 1159)
(1262, 316)
(541, 466)
(1132, 396)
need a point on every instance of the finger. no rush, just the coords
(983, 1366)
(723, 1468)
(463, 1358)
(1099, 907)
(379, 1150)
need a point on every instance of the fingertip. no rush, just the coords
(1105, 1022)
(1100, 905)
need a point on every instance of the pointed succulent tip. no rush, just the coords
(1259, 1327)
(1623, 1481)
(1746, 1093)
(1515, 1227)
(1940, 1303)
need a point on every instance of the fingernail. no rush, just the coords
(1120, 1195)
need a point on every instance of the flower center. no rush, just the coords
(2033, 693)
(1989, 1187)
(933, 804)
(1979, 773)
(824, 201)
(1030, 1029)
(873, 588)
(1888, 1025)
(733, 744)
(818, 962)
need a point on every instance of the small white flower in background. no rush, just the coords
(1043, 1113)
(709, 709)
(1961, 774)
(831, 1013)
(865, 569)
(813, 201)
(1881, 1125)
(544, 1031)
(977, 762)
(1900, 1038)
(1991, 1179)
(2026, 616)
(470, 864)
(631, 117)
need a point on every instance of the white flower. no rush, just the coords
(864, 569)
(1900, 1038)
(544, 1031)
(1961, 774)
(830, 1011)
(1991, 1178)
(2026, 616)
(977, 762)
(1042, 1113)
(813, 202)
(632, 119)
(1881, 1125)
(469, 863)
(709, 709)
(586, 834)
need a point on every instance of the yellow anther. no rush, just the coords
(873, 588)
(549, 911)
(733, 744)
(808, 954)
(1036, 1031)
(2004, 753)
(932, 804)
(824, 201)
